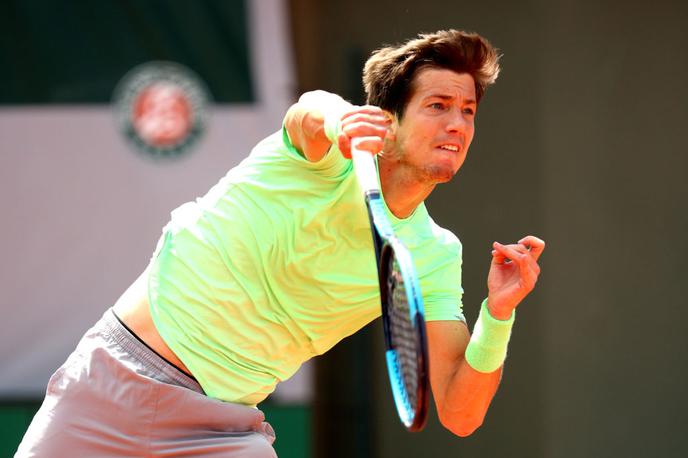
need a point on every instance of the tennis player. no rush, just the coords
(275, 265)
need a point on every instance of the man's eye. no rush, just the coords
(469, 111)
(437, 106)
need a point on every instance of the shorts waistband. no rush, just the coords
(113, 327)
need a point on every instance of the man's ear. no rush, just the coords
(392, 132)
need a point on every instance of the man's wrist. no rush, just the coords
(499, 313)
(486, 351)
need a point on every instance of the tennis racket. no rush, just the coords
(402, 304)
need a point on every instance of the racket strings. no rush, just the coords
(402, 331)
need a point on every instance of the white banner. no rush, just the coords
(81, 211)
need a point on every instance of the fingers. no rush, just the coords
(369, 124)
(535, 244)
(371, 144)
(506, 253)
(366, 127)
(529, 244)
(367, 109)
(529, 272)
(528, 268)
(514, 249)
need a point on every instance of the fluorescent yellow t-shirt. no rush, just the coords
(275, 264)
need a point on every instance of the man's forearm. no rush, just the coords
(467, 396)
(305, 122)
(466, 369)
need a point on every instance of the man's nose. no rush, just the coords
(458, 122)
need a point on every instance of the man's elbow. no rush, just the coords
(462, 425)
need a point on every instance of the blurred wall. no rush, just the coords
(80, 209)
(581, 142)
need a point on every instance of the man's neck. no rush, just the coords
(402, 192)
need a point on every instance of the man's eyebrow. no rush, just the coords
(450, 97)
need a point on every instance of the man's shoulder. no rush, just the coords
(432, 238)
(426, 225)
(272, 143)
(437, 254)
(445, 237)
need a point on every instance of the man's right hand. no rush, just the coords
(369, 123)
(305, 124)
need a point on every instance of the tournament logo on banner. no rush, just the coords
(161, 107)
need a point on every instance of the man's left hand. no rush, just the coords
(513, 274)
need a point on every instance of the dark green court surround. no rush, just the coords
(76, 52)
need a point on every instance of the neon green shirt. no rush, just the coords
(275, 264)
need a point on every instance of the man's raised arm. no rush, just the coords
(465, 370)
(319, 118)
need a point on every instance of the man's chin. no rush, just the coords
(440, 175)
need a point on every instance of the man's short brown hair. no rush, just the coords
(389, 72)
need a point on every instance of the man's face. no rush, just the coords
(437, 127)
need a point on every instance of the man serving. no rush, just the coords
(275, 265)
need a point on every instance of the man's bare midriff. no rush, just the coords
(134, 311)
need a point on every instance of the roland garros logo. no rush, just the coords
(161, 107)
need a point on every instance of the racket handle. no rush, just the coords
(364, 166)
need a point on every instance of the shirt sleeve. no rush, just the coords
(332, 163)
(441, 285)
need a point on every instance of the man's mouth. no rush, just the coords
(453, 148)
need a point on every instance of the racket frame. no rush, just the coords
(413, 417)
(386, 245)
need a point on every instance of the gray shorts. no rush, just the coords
(115, 397)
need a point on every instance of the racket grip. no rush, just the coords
(364, 166)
